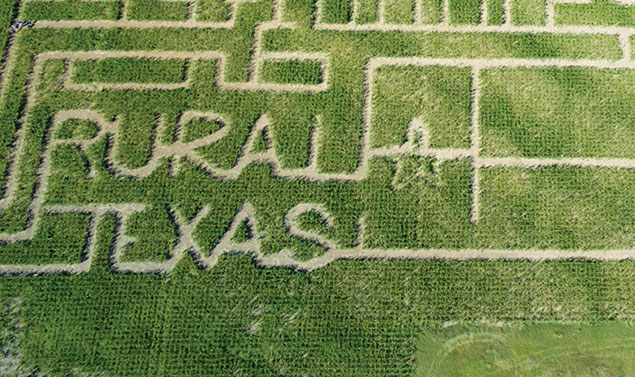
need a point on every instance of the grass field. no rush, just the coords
(545, 349)
(317, 188)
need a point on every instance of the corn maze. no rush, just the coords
(300, 136)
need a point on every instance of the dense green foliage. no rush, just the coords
(524, 207)
(197, 128)
(76, 129)
(367, 11)
(119, 70)
(528, 12)
(262, 142)
(399, 11)
(465, 11)
(7, 9)
(597, 12)
(439, 96)
(157, 10)
(445, 101)
(495, 12)
(566, 112)
(60, 239)
(292, 72)
(212, 10)
(351, 317)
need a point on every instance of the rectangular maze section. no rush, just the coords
(344, 129)
(439, 96)
(557, 208)
(124, 70)
(558, 112)
(294, 69)
(89, 71)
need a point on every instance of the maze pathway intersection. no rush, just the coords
(417, 143)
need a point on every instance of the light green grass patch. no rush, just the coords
(535, 349)
(293, 125)
(68, 159)
(136, 138)
(312, 221)
(155, 235)
(518, 45)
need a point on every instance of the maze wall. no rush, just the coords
(301, 132)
